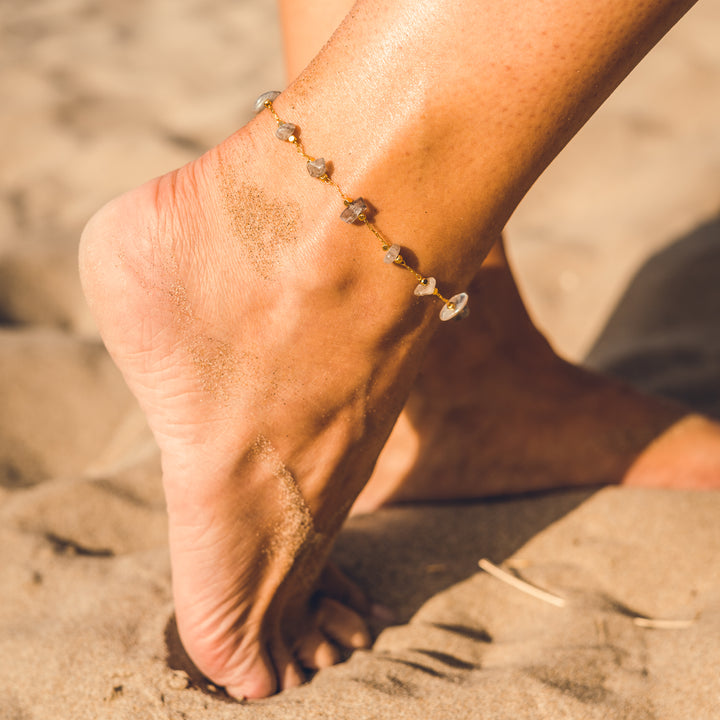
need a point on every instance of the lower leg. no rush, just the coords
(306, 27)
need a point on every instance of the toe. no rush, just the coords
(252, 684)
(288, 672)
(316, 652)
(246, 675)
(252, 688)
(343, 625)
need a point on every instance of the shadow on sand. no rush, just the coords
(664, 335)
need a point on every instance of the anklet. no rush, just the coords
(356, 210)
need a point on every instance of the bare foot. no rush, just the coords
(243, 319)
(510, 416)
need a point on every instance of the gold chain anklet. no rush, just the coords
(356, 210)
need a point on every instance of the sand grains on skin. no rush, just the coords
(298, 529)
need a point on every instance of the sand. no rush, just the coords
(617, 251)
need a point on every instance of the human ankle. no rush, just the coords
(364, 219)
(270, 202)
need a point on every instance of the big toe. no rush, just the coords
(249, 680)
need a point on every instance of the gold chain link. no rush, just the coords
(399, 261)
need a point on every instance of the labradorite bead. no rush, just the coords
(316, 167)
(285, 130)
(260, 102)
(392, 254)
(454, 307)
(353, 211)
(426, 288)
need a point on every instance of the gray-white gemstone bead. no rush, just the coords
(316, 167)
(454, 307)
(353, 211)
(427, 287)
(285, 130)
(392, 254)
(260, 102)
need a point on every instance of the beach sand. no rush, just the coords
(617, 248)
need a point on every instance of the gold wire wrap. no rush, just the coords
(362, 217)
